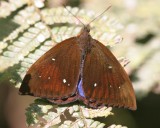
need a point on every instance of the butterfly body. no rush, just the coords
(80, 68)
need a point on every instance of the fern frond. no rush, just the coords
(152, 62)
(27, 42)
(117, 126)
(28, 15)
(8, 7)
(43, 114)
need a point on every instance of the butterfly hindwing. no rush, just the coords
(55, 75)
(105, 82)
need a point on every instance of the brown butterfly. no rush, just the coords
(80, 68)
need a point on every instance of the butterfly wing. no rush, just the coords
(55, 75)
(105, 82)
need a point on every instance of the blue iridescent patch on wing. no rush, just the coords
(80, 89)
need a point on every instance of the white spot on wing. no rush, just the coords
(68, 84)
(110, 67)
(119, 87)
(49, 77)
(110, 86)
(95, 84)
(64, 81)
(53, 59)
(39, 76)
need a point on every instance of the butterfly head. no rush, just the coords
(84, 39)
(85, 30)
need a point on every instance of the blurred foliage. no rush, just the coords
(142, 28)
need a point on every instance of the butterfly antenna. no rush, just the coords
(74, 15)
(100, 14)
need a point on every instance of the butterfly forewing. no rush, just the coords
(105, 82)
(55, 75)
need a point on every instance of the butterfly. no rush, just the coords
(80, 68)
